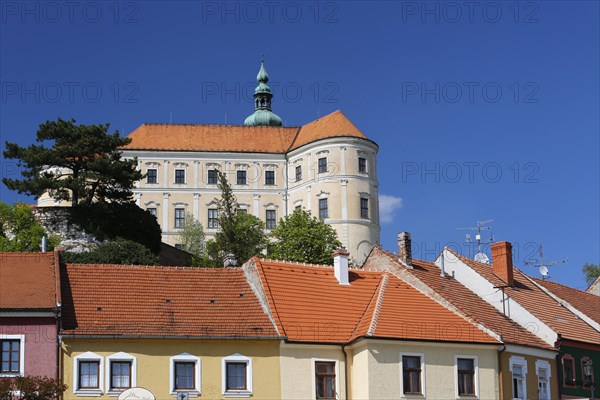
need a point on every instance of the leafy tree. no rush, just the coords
(118, 251)
(239, 233)
(82, 166)
(192, 239)
(591, 271)
(20, 231)
(32, 388)
(301, 237)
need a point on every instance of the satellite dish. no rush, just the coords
(544, 271)
(482, 258)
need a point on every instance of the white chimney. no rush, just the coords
(340, 266)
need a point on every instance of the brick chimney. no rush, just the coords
(502, 261)
(404, 248)
(340, 266)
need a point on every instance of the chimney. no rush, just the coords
(229, 261)
(340, 266)
(404, 248)
(502, 261)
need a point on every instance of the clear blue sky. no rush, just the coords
(485, 110)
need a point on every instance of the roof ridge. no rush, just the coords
(293, 140)
(364, 313)
(270, 299)
(378, 304)
(156, 267)
(227, 125)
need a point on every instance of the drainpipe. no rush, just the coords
(345, 371)
(500, 372)
(285, 193)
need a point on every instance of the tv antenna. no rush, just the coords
(543, 266)
(480, 256)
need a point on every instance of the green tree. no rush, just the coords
(82, 166)
(591, 271)
(301, 237)
(239, 233)
(20, 231)
(31, 388)
(192, 239)
(118, 251)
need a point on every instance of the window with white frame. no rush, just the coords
(12, 356)
(323, 209)
(88, 374)
(237, 376)
(213, 218)
(271, 217)
(121, 372)
(151, 175)
(412, 373)
(180, 176)
(362, 165)
(184, 374)
(518, 369)
(179, 217)
(212, 177)
(466, 376)
(543, 372)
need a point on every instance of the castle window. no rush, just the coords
(213, 218)
(364, 208)
(269, 177)
(151, 175)
(241, 177)
(179, 217)
(152, 210)
(362, 165)
(271, 219)
(298, 173)
(322, 165)
(180, 176)
(323, 209)
(212, 177)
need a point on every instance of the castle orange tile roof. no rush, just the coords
(587, 303)
(28, 281)
(463, 299)
(233, 138)
(539, 303)
(309, 305)
(128, 300)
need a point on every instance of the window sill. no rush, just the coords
(88, 393)
(11, 375)
(237, 393)
(413, 395)
(191, 393)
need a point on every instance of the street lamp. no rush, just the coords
(588, 371)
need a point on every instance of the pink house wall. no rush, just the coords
(40, 342)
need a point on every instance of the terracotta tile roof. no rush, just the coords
(161, 301)
(466, 301)
(232, 138)
(587, 303)
(310, 305)
(27, 281)
(539, 303)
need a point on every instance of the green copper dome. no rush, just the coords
(263, 116)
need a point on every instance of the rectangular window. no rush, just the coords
(151, 210)
(241, 177)
(411, 373)
(184, 375)
(271, 219)
(568, 371)
(587, 372)
(11, 355)
(323, 209)
(322, 165)
(213, 218)
(89, 372)
(543, 384)
(325, 380)
(151, 175)
(180, 176)
(298, 173)
(120, 374)
(236, 376)
(269, 177)
(364, 208)
(212, 177)
(362, 164)
(466, 376)
(179, 217)
(518, 378)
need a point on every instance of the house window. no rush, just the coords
(151, 175)
(364, 208)
(178, 246)
(179, 217)
(212, 177)
(11, 356)
(587, 372)
(466, 376)
(241, 177)
(323, 209)
(120, 375)
(89, 375)
(542, 369)
(518, 368)
(298, 173)
(362, 165)
(271, 219)
(269, 177)
(237, 376)
(322, 165)
(325, 380)
(411, 374)
(152, 210)
(213, 218)
(568, 364)
(180, 176)
(185, 374)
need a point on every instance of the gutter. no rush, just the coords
(190, 337)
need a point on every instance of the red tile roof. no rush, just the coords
(231, 138)
(161, 301)
(587, 303)
(309, 305)
(539, 303)
(466, 301)
(28, 281)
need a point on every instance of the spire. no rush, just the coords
(262, 116)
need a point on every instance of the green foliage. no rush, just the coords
(32, 388)
(20, 231)
(192, 239)
(239, 233)
(83, 165)
(301, 237)
(106, 221)
(118, 251)
(591, 271)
